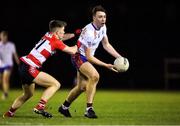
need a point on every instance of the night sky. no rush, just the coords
(146, 32)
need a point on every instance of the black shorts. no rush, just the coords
(27, 73)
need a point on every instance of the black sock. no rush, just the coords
(12, 110)
(6, 94)
(66, 103)
(89, 105)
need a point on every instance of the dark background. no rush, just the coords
(146, 32)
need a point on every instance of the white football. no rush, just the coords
(121, 64)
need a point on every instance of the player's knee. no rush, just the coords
(95, 77)
(83, 88)
(57, 85)
(28, 95)
(6, 81)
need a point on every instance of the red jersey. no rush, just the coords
(42, 50)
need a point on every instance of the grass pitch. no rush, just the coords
(113, 107)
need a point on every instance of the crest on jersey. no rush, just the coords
(89, 44)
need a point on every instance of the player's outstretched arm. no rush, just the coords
(68, 36)
(70, 50)
(109, 48)
(96, 61)
(16, 57)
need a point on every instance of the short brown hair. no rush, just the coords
(53, 24)
(98, 8)
(5, 33)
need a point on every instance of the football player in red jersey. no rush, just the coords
(30, 64)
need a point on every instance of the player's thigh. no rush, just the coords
(88, 70)
(0, 78)
(45, 80)
(28, 89)
(6, 75)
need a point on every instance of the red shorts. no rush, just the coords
(77, 60)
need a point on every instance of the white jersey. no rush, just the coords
(90, 38)
(6, 53)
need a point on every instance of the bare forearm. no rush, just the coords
(70, 50)
(67, 36)
(16, 57)
(96, 61)
(111, 51)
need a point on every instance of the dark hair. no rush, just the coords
(4, 33)
(97, 8)
(56, 24)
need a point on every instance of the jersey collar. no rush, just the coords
(95, 27)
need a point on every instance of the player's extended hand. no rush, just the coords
(111, 67)
(78, 31)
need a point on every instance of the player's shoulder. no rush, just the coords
(88, 29)
(10, 43)
(50, 36)
(104, 27)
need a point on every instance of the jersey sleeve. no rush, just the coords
(60, 45)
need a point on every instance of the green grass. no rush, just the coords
(112, 107)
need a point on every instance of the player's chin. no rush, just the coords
(102, 24)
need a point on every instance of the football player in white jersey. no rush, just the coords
(87, 76)
(7, 53)
(30, 73)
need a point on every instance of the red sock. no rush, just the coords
(11, 112)
(41, 104)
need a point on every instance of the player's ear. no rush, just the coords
(93, 17)
(56, 33)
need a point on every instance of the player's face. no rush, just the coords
(60, 33)
(99, 19)
(3, 37)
